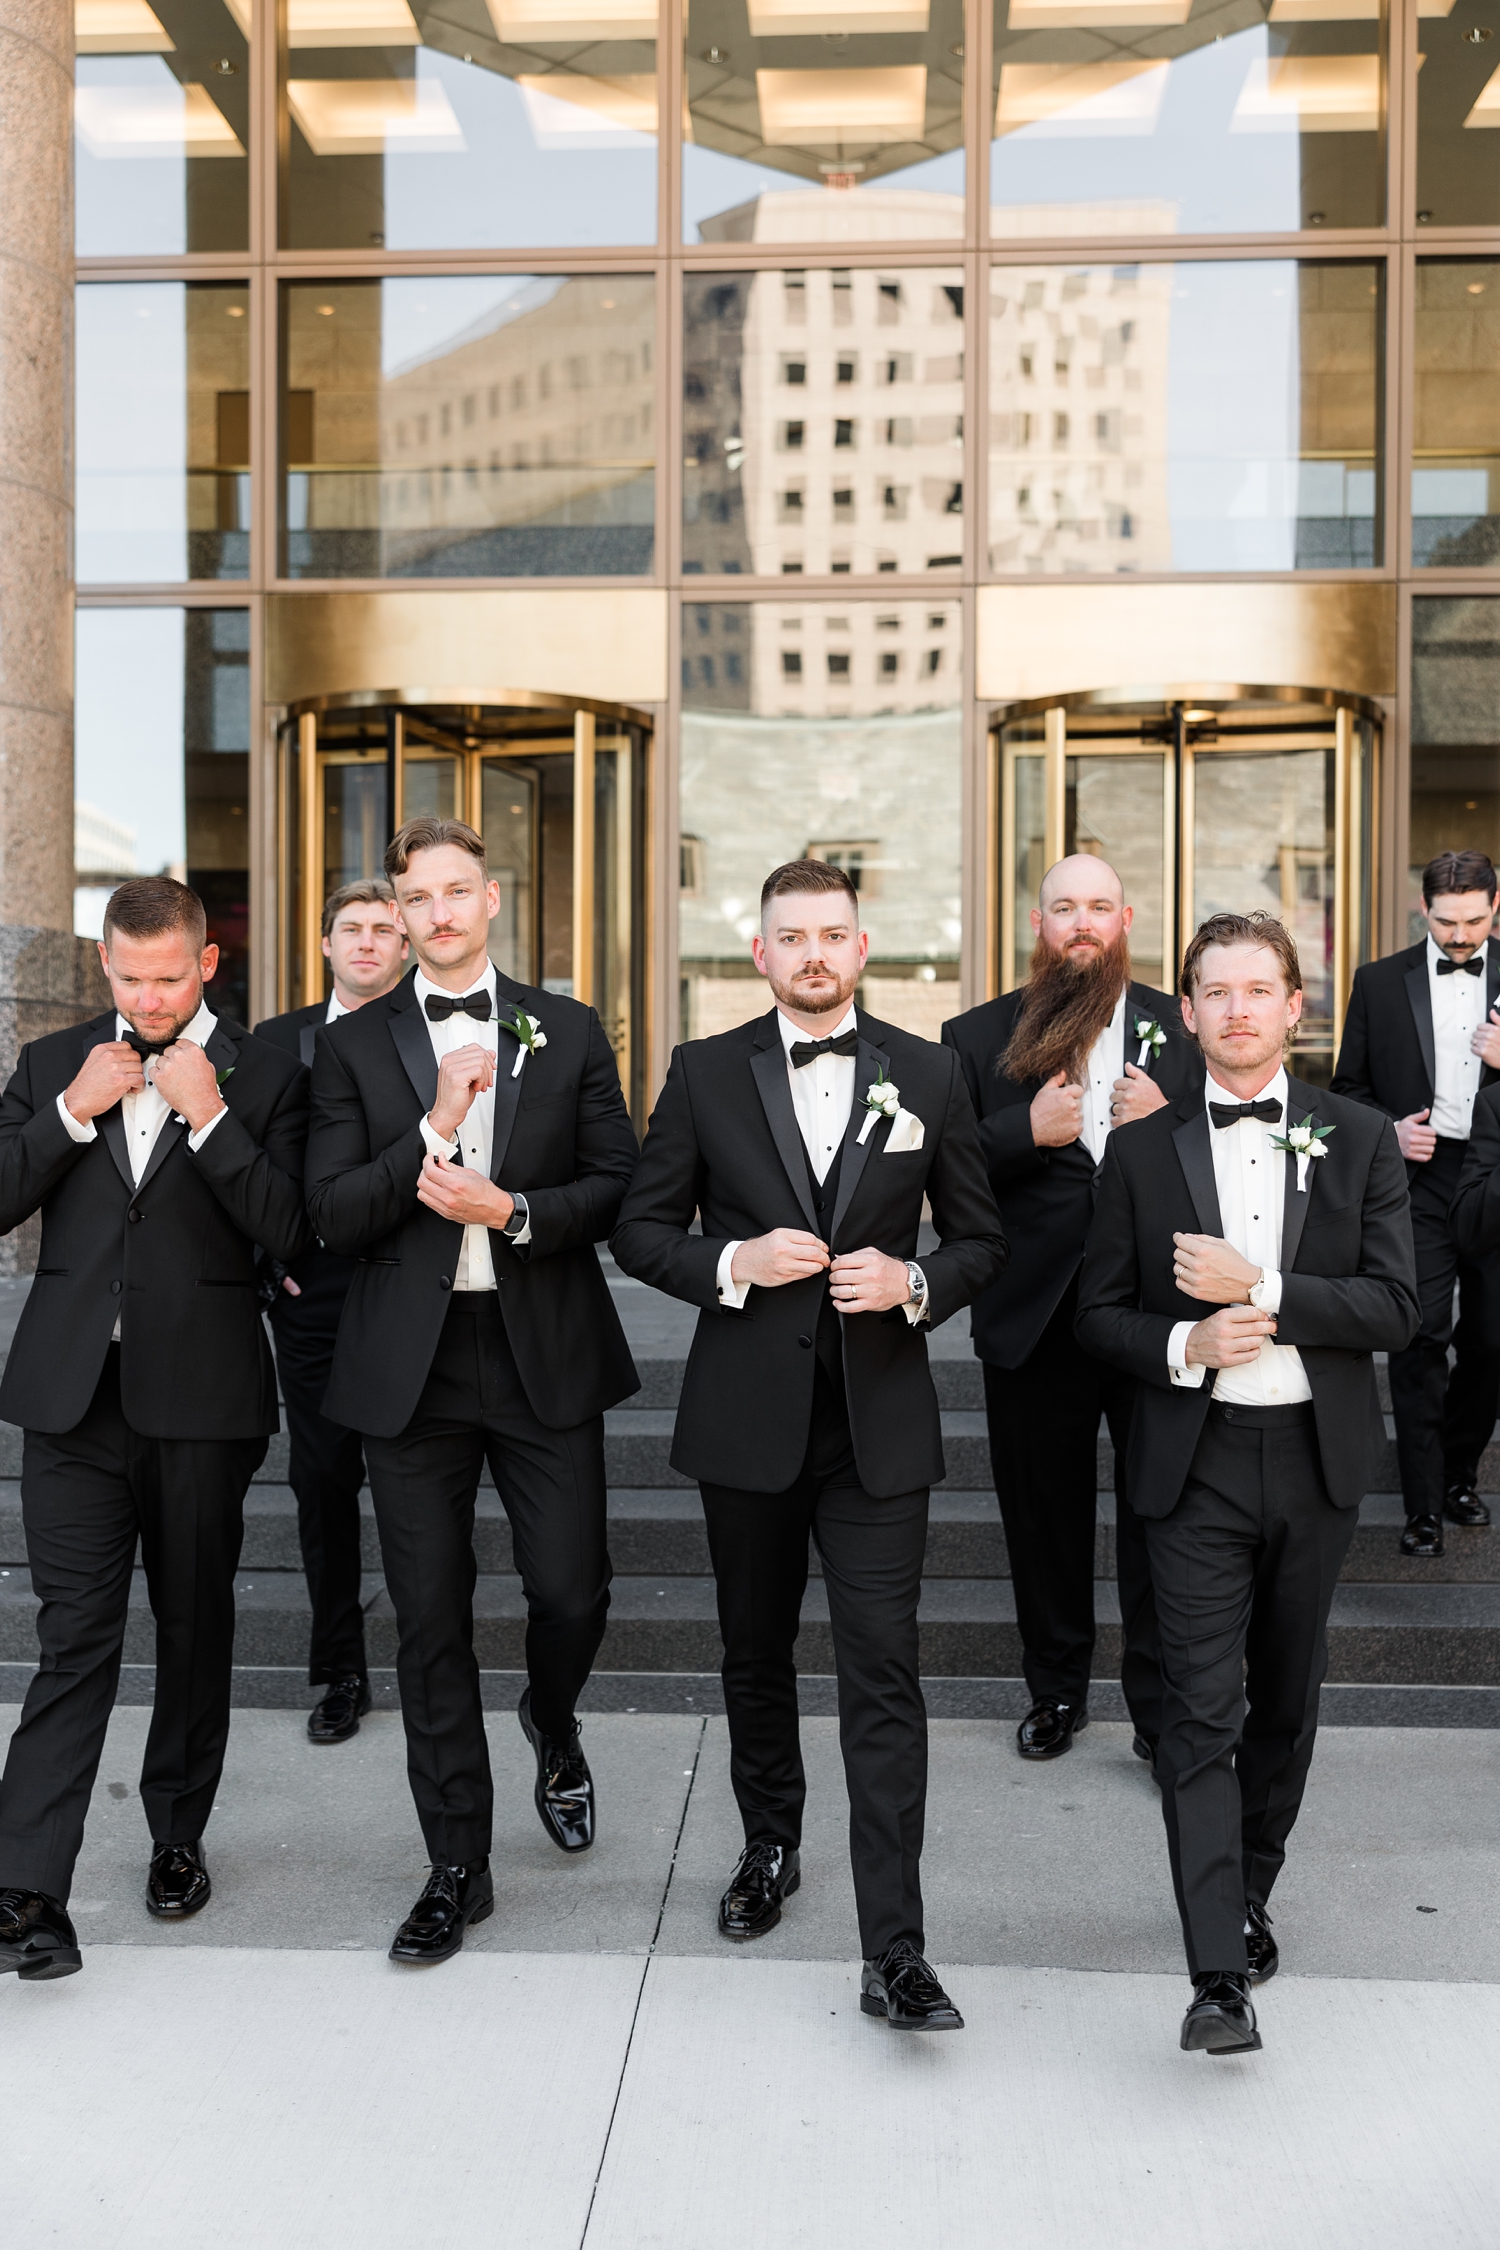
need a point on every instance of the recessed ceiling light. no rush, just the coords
(1476, 288)
(524, 22)
(566, 110)
(235, 312)
(1310, 94)
(370, 116)
(325, 309)
(801, 108)
(1071, 99)
(152, 121)
(1486, 110)
(807, 19)
(118, 27)
(1094, 15)
(341, 23)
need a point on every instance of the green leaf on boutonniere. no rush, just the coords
(227, 1072)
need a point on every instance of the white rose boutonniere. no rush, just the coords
(1304, 1141)
(883, 1099)
(528, 1030)
(1152, 1039)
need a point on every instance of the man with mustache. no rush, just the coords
(1052, 1069)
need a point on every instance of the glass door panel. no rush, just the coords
(353, 787)
(432, 783)
(1117, 808)
(509, 820)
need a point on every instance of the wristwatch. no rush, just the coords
(918, 1280)
(519, 1219)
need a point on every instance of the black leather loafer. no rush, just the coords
(1463, 1505)
(1221, 2020)
(178, 1883)
(901, 1987)
(765, 1878)
(1144, 1746)
(1264, 1952)
(338, 1715)
(1423, 1537)
(452, 1898)
(36, 1938)
(1049, 1727)
(564, 1785)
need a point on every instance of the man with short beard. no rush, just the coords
(1052, 1068)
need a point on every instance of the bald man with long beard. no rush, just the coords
(1053, 1068)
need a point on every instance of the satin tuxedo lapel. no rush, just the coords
(111, 1125)
(768, 1068)
(868, 1064)
(1419, 994)
(306, 1041)
(409, 1030)
(1301, 1107)
(1195, 1154)
(1487, 1077)
(508, 1083)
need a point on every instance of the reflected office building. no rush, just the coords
(929, 436)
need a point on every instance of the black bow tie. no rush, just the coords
(808, 1050)
(439, 1007)
(146, 1048)
(1473, 967)
(1230, 1113)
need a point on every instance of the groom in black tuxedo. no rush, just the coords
(806, 1142)
(478, 1327)
(1256, 1426)
(161, 1144)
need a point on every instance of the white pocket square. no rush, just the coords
(905, 1134)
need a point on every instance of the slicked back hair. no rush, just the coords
(429, 835)
(371, 890)
(1241, 929)
(809, 876)
(1453, 873)
(151, 906)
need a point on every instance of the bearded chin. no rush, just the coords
(1070, 998)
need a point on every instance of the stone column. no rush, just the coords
(46, 977)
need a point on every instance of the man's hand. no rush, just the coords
(1056, 1113)
(1212, 1270)
(292, 1288)
(1229, 1338)
(1486, 1040)
(457, 1192)
(1134, 1095)
(868, 1281)
(186, 1078)
(109, 1073)
(1416, 1137)
(769, 1261)
(463, 1074)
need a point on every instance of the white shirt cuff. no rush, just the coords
(196, 1140)
(75, 1131)
(436, 1145)
(1265, 1294)
(1186, 1378)
(732, 1293)
(915, 1310)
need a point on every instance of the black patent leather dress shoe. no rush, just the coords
(1423, 1537)
(1221, 2020)
(36, 1938)
(178, 1883)
(1049, 1727)
(1264, 1952)
(1461, 1504)
(765, 1878)
(1144, 1747)
(564, 1785)
(337, 1716)
(452, 1898)
(901, 1987)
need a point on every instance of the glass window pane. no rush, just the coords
(474, 127)
(162, 122)
(161, 770)
(1185, 417)
(1458, 97)
(1455, 734)
(825, 731)
(1455, 482)
(1116, 809)
(824, 124)
(1124, 117)
(163, 375)
(823, 420)
(469, 427)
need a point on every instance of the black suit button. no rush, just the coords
(805, 1342)
(445, 1283)
(135, 1217)
(114, 1288)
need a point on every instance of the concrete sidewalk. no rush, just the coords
(599, 2071)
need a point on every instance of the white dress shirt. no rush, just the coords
(473, 1144)
(144, 1114)
(1106, 1064)
(822, 1097)
(1457, 1013)
(1250, 1176)
(336, 1009)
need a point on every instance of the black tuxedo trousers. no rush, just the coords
(1444, 1419)
(327, 1465)
(473, 1408)
(86, 1496)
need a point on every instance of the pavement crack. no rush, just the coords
(687, 1798)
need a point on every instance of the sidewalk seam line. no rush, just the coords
(640, 1989)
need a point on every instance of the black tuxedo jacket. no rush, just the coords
(175, 1255)
(1475, 1217)
(724, 1142)
(1388, 1057)
(1046, 1195)
(321, 1277)
(562, 1137)
(296, 1031)
(1348, 1282)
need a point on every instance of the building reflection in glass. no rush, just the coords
(1455, 481)
(1458, 107)
(1455, 733)
(1185, 417)
(827, 731)
(161, 113)
(469, 427)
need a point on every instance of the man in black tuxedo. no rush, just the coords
(1052, 1069)
(806, 1141)
(160, 1143)
(1421, 1039)
(365, 948)
(1249, 1477)
(478, 1326)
